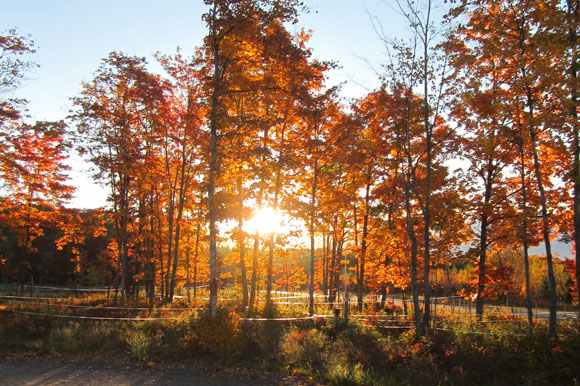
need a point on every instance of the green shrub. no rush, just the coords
(139, 344)
(261, 342)
(25, 326)
(214, 336)
(344, 374)
(304, 349)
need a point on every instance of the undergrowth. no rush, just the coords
(497, 351)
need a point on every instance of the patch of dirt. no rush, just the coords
(50, 370)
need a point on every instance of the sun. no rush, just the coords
(267, 220)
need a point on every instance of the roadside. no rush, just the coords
(45, 370)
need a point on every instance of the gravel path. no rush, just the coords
(93, 371)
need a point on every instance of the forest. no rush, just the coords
(220, 169)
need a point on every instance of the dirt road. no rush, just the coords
(97, 371)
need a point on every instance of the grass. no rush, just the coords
(498, 351)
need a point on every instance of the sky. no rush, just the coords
(72, 36)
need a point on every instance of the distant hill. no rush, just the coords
(563, 250)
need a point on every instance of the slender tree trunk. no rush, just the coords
(270, 267)
(533, 144)
(480, 300)
(525, 229)
(337, 276)
(244, 278)
(358, 281)
(546, 235)
(170, 225)
(426, 37)
(213, 170)
(124, 237)
(332, 272)
(414, 263)
(170, 213)
(312, 219)
(195, 279)
(183, 186)
(573, 8)
(160, 255)
(187, 275)
(410, 223)
(242, 245)
(576, 176)
(363, 250)
(427, 214)
(383, 292)
(197, 233)
(176, 248)
(254, 282)
(324, 265)
(545, 220)
(271, 242)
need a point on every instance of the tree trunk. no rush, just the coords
(244, 278)
(426, 37)
(160, 255)
(414, 263)
(187, 275)
(525, 229)
(480, 300)
(312, 218)
(124, 245)
(427, 210)
(410, 223)
(573, 6)
(242, 245)
(176, 248)
(213, 170)
(361, 278)
(324, 265)
(271, 242)
(196, 259)
(337, 275)
(331, 273)
(170, 214)
(183, 186)
(545, 220)
(254, 282)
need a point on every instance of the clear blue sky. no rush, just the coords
(72, 36)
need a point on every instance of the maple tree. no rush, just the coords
(562, 20)
(484, 110)
(113, 112)
(290, 75)
(364, 161)
(527, 206)
(430, 68)
(375, 167)
(246, 124)
(36, 177)
(84, 234)
(181, 140)
(228, 45)
(318, 112)
(510, 30)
